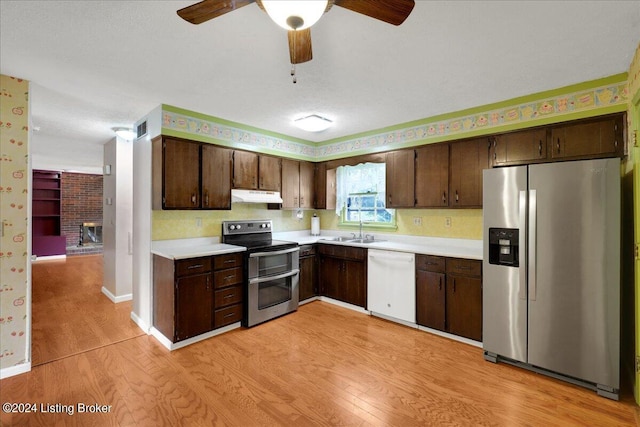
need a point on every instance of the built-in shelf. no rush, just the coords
(46, 210)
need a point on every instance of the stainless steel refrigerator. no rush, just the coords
(551, 270)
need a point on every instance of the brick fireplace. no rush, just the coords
(81, 204)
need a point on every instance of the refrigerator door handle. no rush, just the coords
(522, 288)
(532, 244)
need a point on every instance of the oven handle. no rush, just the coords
(285, 251)
(270, 278)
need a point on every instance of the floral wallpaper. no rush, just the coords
(579, 100)
(14, 179)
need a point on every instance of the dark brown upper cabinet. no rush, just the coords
(432, 176)
(589, 139)
(518, 148)
(252, 171)
(467, 161)
(297, 184)
(400, 177)
(178, 167)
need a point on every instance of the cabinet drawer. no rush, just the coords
(466, 267)
(430, 263)
(344, 252)
(191, 266)
(227, 261)
(224, 278)
(228, 315)
(228, 296)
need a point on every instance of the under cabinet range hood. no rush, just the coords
(255, 196)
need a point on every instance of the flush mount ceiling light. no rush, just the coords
(295, 15)
(313, 123)
(125, 133)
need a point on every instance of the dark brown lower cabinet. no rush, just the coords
(449, 295)
(308, 282)
(196, 295)
(343, 273)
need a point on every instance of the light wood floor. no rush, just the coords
(322, 365)
(70, 313)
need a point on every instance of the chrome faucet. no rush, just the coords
(360, 236)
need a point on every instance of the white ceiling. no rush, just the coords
(99, 64)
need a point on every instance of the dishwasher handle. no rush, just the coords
(389, 257)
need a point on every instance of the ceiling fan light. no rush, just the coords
(313, 123)
(308, 11)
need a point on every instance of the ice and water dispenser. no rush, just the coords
(503, 246)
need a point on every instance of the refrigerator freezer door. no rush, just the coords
(504, 295)
(574, 259)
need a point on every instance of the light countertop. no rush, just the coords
(208, 246)
(440, 246)
(192, 248)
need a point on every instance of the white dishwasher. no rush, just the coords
(391, 284)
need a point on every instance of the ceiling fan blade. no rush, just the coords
(300, 46)
(390, 11)
(209, 9)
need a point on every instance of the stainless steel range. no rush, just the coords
(271, 287)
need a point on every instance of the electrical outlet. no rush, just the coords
(417, 220)
(447, 221)
(198, 222)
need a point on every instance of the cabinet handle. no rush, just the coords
(463, 267)
(232, 276)
(194, 266)
(558, 145)
(206, 198)
(229, 315)
(440, 283)
(444, 197)
(207, 282)
(615, 143)
(295, 202)
(456, 196)
(454, 286)
(228, 261)
(194, 199)
(540, 148)
(228, 296)
(301, 201)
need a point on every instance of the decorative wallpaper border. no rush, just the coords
(580, 101)
(185, 123)
(526, 113)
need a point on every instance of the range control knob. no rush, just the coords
(232, 227)
(263, 225)
(238, 227)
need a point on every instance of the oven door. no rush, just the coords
(273, 285)
(272, 296)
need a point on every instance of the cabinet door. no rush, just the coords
(468, 159)
(464, 306)
(354, 283)
(245, 170)
(432, 176)
(430, 299)
(601, 138)
(181, 179)
(216, 177)
(194, 302)
(331, 276)
(290, 183)
(320, 184)
(519, 147)
(308, 278)
(400, 179)
(269, 173)
(306, 185)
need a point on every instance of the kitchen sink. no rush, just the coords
(341, 239)
(365, 241)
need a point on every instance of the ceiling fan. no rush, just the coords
(390, 11)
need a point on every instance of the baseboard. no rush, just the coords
(169, 345)
(141, 323)
(451, 336)
(12, 371)
(116, 299)
(48, 258)
(344, 305)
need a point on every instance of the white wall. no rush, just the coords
(118, 220)
(142, 265)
